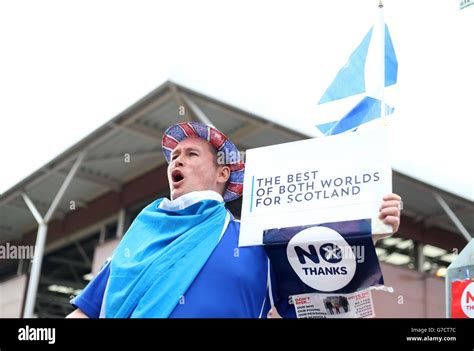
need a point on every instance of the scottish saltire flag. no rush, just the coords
(356, 95)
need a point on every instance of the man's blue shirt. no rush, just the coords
(232, 284)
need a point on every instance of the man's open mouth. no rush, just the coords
(177, 176)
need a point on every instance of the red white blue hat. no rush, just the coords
(180, 131)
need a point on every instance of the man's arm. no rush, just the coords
(77, 313)
(88, 303)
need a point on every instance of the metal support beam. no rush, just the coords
(183, 100)
(419, 257)
(40, 206)
(41, 237)
(32, 207)
(178, 98)
(201, 116)
(109, 134)
(102, 234)
(74, 274)
(47, 171)
(83, 254)
(35, 271)
(19, 270)
(64, 186)
(121, 223)
(453, 217)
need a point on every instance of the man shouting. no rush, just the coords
(180, 257)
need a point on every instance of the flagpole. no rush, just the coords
(382, 60)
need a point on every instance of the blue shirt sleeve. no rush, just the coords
(90, 299)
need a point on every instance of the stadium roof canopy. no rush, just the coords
(129, 146)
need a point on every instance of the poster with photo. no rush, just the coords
(355, 305)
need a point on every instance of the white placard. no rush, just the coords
(330, 179)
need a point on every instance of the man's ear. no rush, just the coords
(223, 174)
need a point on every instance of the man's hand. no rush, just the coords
(273, 313)
(77, 313)
(390, 210)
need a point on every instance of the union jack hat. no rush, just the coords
(180, 131)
